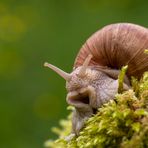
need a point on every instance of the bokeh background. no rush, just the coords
(32, 98)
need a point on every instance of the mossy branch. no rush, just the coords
(122, 122)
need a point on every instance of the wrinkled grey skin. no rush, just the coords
(88, 93)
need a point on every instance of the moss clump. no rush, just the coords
(122, 122)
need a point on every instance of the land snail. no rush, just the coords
(93, 80)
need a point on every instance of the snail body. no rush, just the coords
(93, 80)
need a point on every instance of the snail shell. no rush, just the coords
(93, 80)
(117, 45)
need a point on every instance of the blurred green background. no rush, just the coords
(32, 98)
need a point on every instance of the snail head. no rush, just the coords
(80, 92)
(89, 86)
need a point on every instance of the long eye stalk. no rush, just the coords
(62, 73)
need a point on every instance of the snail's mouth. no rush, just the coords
(81, 97)
(74, 98)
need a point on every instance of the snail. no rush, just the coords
(93, 80)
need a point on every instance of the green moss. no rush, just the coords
(122, 122)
